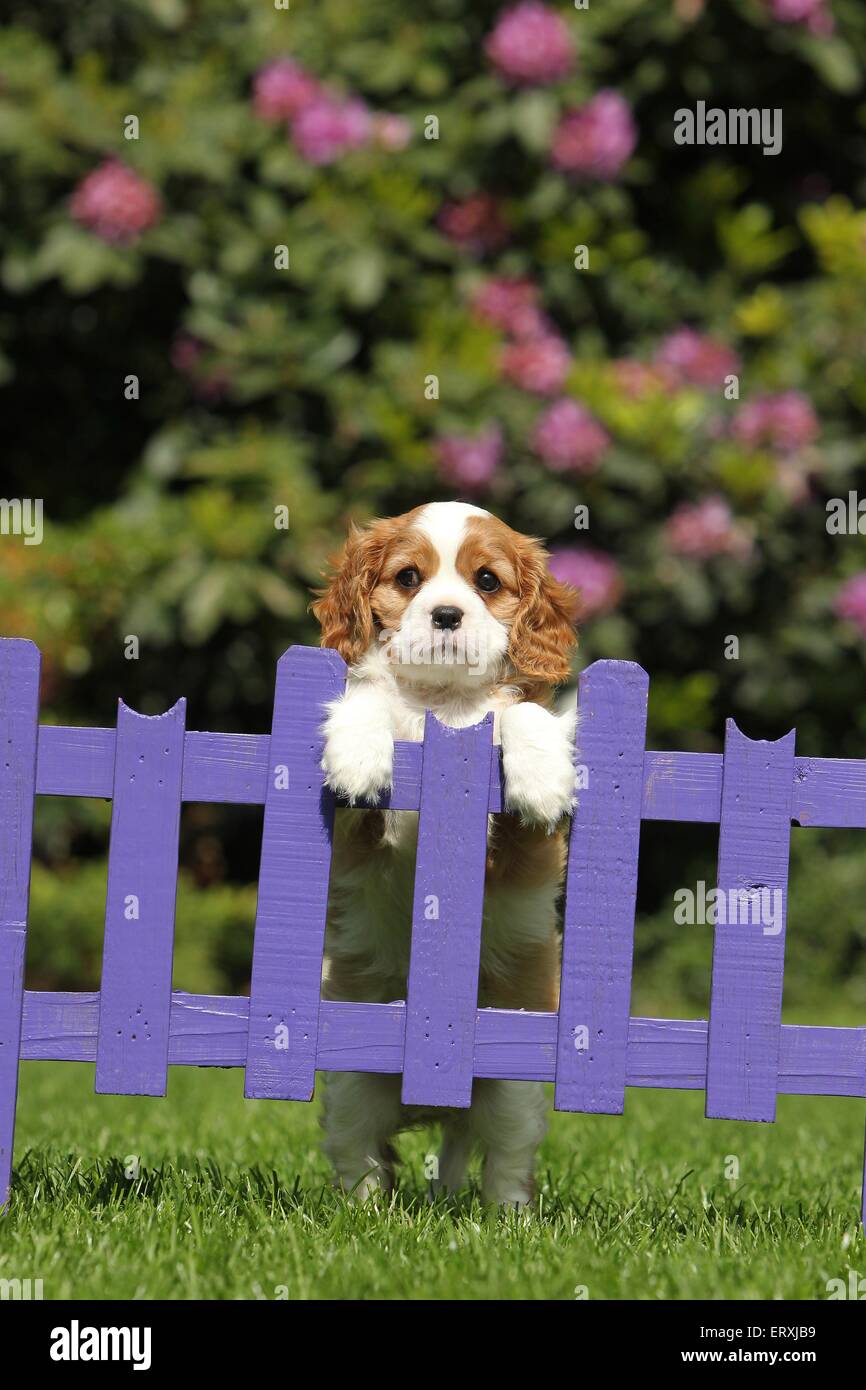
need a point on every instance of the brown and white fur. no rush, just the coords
(505, 651)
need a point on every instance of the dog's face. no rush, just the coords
(452, 596)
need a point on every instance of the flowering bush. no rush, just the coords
(330, 262)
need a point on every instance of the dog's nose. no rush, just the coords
(447, 617)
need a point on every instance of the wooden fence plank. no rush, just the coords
(446, 914)
(293, 882)
(19, 722)
(749, 956)
(138, 949)
(598, 936)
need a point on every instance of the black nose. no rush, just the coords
(447, 617)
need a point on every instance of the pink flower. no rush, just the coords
(530, 43)
(281, 89)
(595, 576)
(469, 463)
(786, 422)
(512, 306)
(704, 529)
(476, 223)
(595, 139)
(537, 364)
(569, 439)
(850, 601)
(694, 360)
(330, 126)
(115, 203)
(812, 13)
(391, 132)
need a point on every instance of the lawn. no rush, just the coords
(232, 1201)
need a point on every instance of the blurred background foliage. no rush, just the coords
(436, 332)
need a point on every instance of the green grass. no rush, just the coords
(233, 1201)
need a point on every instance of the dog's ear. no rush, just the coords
(542, 632)
(343, 606)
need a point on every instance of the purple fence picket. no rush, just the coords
(446, 914)
(19, 721)
(293, 882)
(135, 991)
(749, 956)
(598, 929)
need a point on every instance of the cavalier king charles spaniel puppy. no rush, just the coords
(448, 609)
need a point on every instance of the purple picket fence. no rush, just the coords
(438, 1038)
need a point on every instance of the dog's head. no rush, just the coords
(451, 595)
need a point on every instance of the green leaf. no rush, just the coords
(836, 62)
(364, 276)
(533, 119)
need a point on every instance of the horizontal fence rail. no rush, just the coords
(438, 1039)
(233, 768)
(209, 1030)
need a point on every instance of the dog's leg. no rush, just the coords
(457, 1141)
(509, 1119)
(359, 744)
(538, 762)
(361, 1112)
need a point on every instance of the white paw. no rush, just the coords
(361, 1179)
(512, 1196)
(538, 762)
(358, 763)
(369, 1187)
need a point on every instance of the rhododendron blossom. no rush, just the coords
(595, 575)
(597, 139)
(115, 203)
(540, 365)
(531, 43)
(469, 462)
(568, 439)
(703, 529)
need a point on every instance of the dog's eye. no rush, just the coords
(408, 578)
(487, 581)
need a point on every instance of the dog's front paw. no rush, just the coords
(358, 763)
(538, 764)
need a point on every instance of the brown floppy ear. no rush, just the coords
(542, 632)
(343, 607)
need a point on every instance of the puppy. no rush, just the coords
(445, 608)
